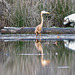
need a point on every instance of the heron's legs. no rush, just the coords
(36, 35)
(40, 35)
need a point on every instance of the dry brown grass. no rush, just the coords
(27, 12)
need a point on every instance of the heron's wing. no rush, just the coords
(38, 29)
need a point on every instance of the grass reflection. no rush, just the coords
(55, 58)
(63, 53)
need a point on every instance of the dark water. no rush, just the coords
(38, 57)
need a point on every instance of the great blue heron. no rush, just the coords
(39, 27)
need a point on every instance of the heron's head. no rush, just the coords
(45, 12)
(66, 20)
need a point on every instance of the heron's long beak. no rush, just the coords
(48, 13)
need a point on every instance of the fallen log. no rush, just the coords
(31, 30)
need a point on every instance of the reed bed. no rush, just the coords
(26, 13)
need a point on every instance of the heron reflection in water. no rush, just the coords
(39, 27)
(38, 45)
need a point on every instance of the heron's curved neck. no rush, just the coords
(41, 20)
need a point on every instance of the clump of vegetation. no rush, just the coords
(27, 12)
(62, 9)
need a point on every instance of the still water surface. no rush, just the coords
(37, 57)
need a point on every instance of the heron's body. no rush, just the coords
(38, 28)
